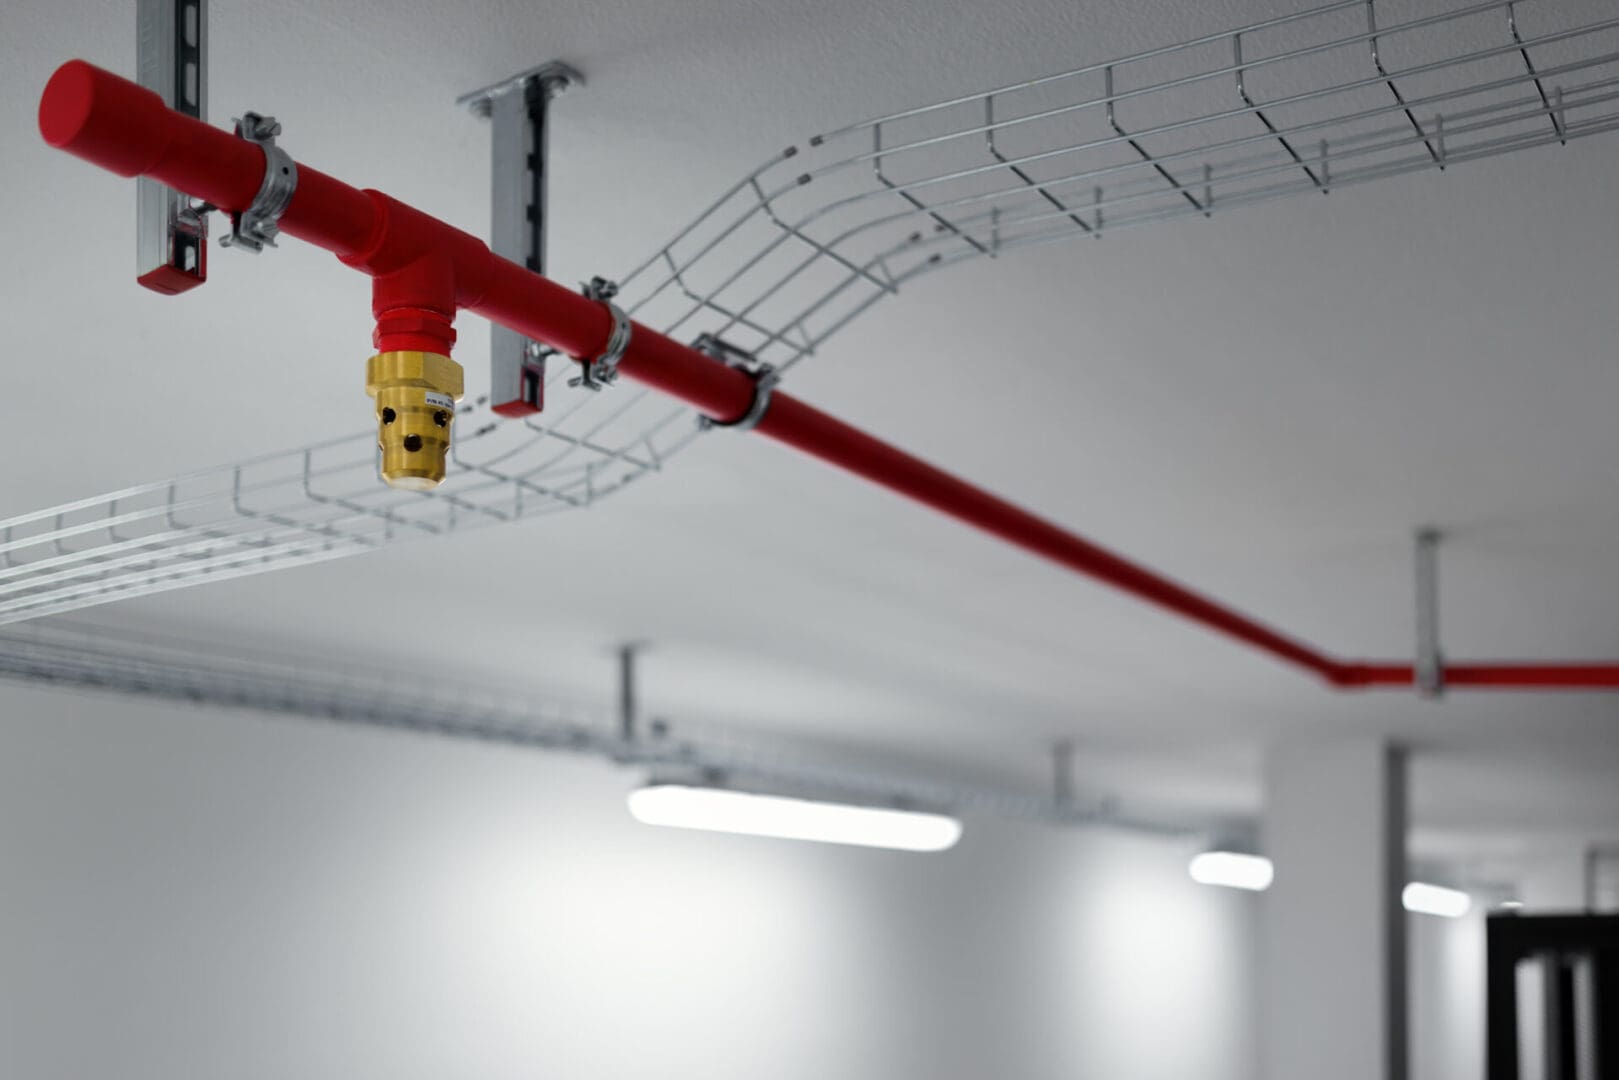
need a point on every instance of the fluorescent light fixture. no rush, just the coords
(1233, 870)
(719, 810)
(1436, 900)
(1512, 905)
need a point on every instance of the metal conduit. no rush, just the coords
(419, 262)
(98, 659)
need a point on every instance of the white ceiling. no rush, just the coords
(1263, 405)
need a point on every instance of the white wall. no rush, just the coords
(1333, 979)
(186, 893)
(1447, 996)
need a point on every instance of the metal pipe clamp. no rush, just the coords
(603, 370)
(257, 226)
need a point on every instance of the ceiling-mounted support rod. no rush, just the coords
(1430, 661)
(628, 720)
(518, 110)
(111, 122)
(1062, 775)
(171, 59)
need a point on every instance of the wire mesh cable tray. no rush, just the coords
(1341, 94)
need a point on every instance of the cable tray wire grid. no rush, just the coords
(1341, 94)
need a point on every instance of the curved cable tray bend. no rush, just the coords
(1338, 95)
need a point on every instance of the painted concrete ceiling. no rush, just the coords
(1263, 404)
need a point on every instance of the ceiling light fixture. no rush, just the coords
(1233, 870)
(1241, 870)
(682, 806)
(1424, 899)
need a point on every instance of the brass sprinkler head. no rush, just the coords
(416, 394)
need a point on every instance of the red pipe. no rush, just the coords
(1504, 676)
(815, 433)
(424, 270)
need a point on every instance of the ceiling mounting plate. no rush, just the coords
(556, 77)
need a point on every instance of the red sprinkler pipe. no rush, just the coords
(1505, 675)
(424, 270)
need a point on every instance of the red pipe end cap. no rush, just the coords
(85, 111)
(65, 106)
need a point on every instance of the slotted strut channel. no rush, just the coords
(796, 250)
